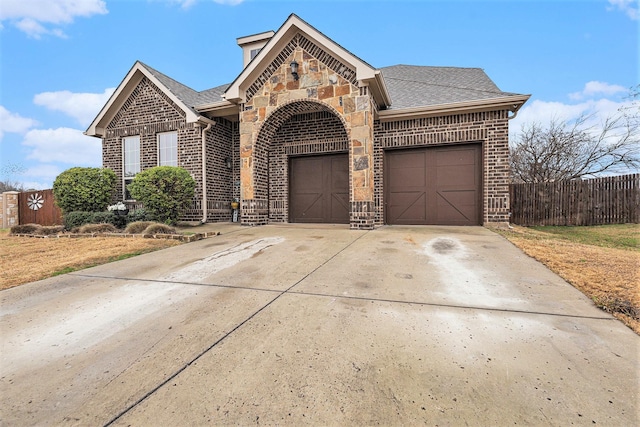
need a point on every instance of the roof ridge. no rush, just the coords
(156, 72)
(447, 86)
(432, 66)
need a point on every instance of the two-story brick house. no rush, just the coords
(309, 132)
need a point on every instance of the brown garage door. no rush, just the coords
(319, 189)
(438, 185)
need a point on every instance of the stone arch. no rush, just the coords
(298, 127)
(319, 90)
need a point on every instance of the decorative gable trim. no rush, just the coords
(312, 49)
(122, 94)
(296, 32)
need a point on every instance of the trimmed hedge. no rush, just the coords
(77, 219)
(84, 189)
(165, 191)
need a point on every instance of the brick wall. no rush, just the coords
(147, 112)
(219, 178)
(489, 128)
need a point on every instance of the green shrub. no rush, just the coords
(139, 215)
(119, 221)
(158, 228)
(103, 218)
(97, 228)
(137, 227)
(84, 189)
(76, 219)
(165, 191)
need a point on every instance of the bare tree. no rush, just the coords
(566, 150)
(8, 183)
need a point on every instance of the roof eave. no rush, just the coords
(115, 102)
(224, 109)
(379, 90)
(511, 103)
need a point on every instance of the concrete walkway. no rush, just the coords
(316, 325)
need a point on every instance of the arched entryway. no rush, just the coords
(304, 148)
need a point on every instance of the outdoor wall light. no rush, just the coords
(294, 69)
(227, 162)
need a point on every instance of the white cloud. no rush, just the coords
(594, 88)
(542, 112)
(83, 107)
(14, 123)
(40, 177)
(185, 4)
(229, 2)
(630, 7)
(31, 16)
(63, 145)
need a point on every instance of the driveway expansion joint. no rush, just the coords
(226, 335)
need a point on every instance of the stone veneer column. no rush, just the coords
(319, 84)
(10, 212)
(362, 182)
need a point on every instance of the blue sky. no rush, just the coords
(61, 59)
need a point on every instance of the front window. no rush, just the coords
(131, 161)
(168, 149)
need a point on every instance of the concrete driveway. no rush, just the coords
(316, 325)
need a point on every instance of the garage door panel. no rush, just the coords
(339, 207)
(408, 207)
(452, 157)
(448, 180)
(309, 207)
(456, 176)
(402, 160)
(319, 189)
(457, 206)
(409, 178)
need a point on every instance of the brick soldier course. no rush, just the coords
(336, 103)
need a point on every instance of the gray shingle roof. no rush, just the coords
(409, 86)
(185, 94)
(419, 86)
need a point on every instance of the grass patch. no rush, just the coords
(64, 271)
(26, 259)
(603, 262)
(620, 236)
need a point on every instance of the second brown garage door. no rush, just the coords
(434, 186)
(319, 189)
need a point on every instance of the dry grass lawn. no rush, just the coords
(603, 262)
(26, 259)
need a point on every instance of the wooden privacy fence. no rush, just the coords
(38, 207)
(609, 200)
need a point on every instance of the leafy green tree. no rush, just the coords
(84, 189)
(165, 191)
